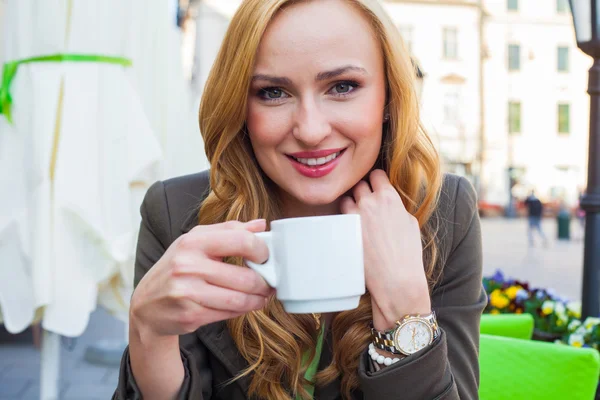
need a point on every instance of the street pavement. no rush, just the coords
(505, 247)
(558, 265)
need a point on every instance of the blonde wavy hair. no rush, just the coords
(271, 340)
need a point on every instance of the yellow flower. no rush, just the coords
(590, 322)
(494, 311)
(560, 322)
(547, 307)
(574, 309)
(576, 340)
(512, 291)
(574, 324)
(498, 300)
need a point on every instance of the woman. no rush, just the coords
(301, 121)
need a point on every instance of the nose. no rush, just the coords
(311, 125)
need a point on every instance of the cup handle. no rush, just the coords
(268, 269)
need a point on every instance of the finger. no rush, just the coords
(256, 225)
(379, 180)
(361, 190)
(348, 206)
(220, 315)
(195, 315)
(225, 275)
(218, 298)
(229, 243)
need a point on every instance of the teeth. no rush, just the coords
(318, 161)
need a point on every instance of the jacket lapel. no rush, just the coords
(331, 391)
(219, 342)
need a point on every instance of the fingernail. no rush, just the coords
(256, 220)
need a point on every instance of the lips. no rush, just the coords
(317, 161)
(316, 153)
(316, 164)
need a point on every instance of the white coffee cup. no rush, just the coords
(315, 263)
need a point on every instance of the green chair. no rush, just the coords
(518, 326)
(514, 369)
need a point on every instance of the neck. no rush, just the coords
(292, 208)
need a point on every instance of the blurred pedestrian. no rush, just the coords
(580, 214)
(535, 210)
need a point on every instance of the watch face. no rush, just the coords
(413, 336)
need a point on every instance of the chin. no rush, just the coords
(317, 196)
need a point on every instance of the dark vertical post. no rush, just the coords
(590, 202)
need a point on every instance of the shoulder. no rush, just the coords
(187, 189)
(457, 206)
(171, 205)
(457, 198)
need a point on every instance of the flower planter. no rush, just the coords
(545, 336)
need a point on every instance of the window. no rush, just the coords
(512, 5)
(563, 59)
(514, 117)
(450, 43)
(514, 57)
(452, 106)
(406, 32)
(562, 6)
(563, 118)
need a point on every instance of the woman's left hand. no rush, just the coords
(393, 252)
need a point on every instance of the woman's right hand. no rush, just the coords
(190, 286)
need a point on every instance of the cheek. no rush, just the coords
(266, 127)
(363, 125)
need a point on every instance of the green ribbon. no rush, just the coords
(314, 364)
(10, 71)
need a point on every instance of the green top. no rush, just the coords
(314, 364)
(10, 71)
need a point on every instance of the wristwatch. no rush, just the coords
(411, 334)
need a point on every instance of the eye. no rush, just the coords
(343, 88)
(271, 93)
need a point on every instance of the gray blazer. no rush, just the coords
(448, 369)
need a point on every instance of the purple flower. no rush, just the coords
(522, 294)
(540, 294)
(498, 276)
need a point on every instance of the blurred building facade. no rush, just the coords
(504, 92)
(443, 37)
(536, 105)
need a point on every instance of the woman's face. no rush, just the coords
(316, 101)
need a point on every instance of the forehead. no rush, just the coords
(318, 34)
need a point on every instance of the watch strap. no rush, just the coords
(384, 340)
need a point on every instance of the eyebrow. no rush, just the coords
(321, 76)
(275, 80)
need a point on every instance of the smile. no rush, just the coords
(317, 161)
(316, 164)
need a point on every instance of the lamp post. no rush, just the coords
(585, 19)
